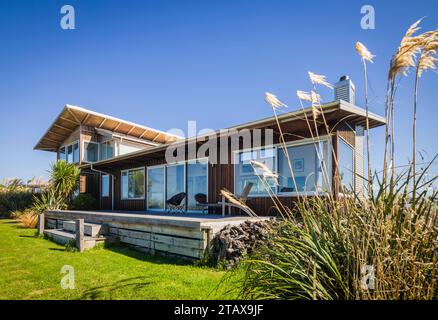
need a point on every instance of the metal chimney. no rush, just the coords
(344, 90)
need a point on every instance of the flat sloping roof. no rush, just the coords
(71, 117)
(334, 111)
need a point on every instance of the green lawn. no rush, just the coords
(30, 268)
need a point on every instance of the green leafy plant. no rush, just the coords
(15, 200)
(84, 202)
(49, 200)
(64, 179)
(322, 256)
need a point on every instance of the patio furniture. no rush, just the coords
(201, 201)
(175, 203)
(240, 202)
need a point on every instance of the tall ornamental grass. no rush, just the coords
(328, 253)
(380, 244)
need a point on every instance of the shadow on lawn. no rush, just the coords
(134, 284)
(148, 257)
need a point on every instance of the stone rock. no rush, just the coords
(232, 243)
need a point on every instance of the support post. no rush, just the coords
(223, 206)
(80, 243)
(41, 219)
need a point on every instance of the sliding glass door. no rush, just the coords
(196, 184)
(167, 181)
(175, 180)
(156, 188)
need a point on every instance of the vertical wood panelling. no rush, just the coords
(222, 175)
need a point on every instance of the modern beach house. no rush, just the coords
(139, 172)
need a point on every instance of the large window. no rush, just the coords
(70, 153)
(166, 181)
(346, 165)
(91, 151)
(245, 173)
(76, 152)
(156, 188)
(133, 184)
(63, 154)
(196, 183)
(302, 163)
(175, 180)
(107, 150)
(305, 168)
(105, 185)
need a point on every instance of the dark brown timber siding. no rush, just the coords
(222, 175)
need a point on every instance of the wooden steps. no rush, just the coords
(64, 237)
(90, 229)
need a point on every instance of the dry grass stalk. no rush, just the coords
(404, 59)
(265, 171)
(407, 52)
(323, 257)
(366, 55)
(304, 96)
(319, 79)
(427, 61)
(364, 52)
(29, 219)
(273, 101)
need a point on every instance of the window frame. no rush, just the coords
(237, 167)
(121, 184)
(203, 160)
(353, 173)
(101, 148)
(101, 186)
(86, 153)
(279, 148)
(164, 187)
(66, 151)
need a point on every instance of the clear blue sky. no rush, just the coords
(162, 63)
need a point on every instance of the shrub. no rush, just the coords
(348, 247)
(29, 219)
(325, 257)
(15, 200)
(64, 178)
(84, 202)
(49, 200)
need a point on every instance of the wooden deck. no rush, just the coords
(186, 235)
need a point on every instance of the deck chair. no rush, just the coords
(240, 199)
(201, 202)
(175, 203)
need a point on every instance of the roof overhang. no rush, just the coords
(72, 117)
(336, 111)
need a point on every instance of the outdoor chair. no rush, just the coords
(240, 202)
(201, 201)
(176, 203)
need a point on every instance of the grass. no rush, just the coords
(30, 269)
